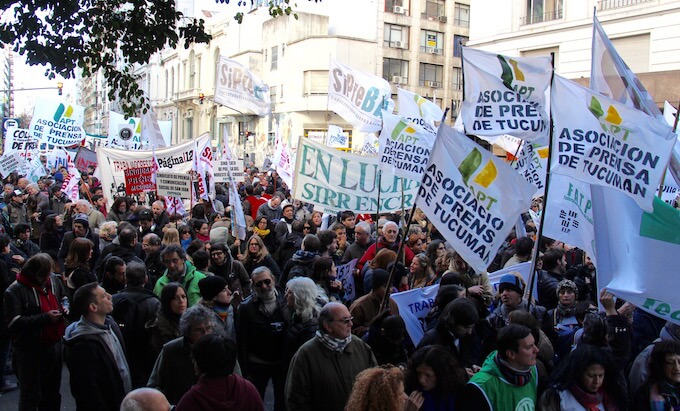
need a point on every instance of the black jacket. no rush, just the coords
(66, 245)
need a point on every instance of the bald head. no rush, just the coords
(145, 399)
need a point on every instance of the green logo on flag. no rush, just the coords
(663, 224)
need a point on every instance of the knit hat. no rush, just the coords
(380, 278)
(210, 286)
(82, 219)
(511, 282)
(567, 284)
(59, 177)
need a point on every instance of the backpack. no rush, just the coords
(126, 314)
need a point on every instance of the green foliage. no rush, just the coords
(111, 35)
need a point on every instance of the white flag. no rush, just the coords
(418, 109)
(240, 88)
(124, 133)
(151, 131)
(471, 196)
(358, 97)
(505, 95)
(404, 147)
(532, 164)
(238, 220)
(57, 124)
(336, 138)
(283, 160)
(600, 141)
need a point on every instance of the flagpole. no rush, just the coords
(534, 256)
(663, 176)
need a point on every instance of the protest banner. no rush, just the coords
(239, 87)
(532, 164)
(358, 97)
(236, 166)
(56, 158)
(124, 133)
(58, 124)
(174, 205)
(505, 95)
(569, 214)
(404, 147)
(150, 132)
(471, 196)
(139, 180)
(204, 169)
(283, 159)
(113, 162)
(413, 307)
(334, 181)
(173, 184)
(11, 162)
(71, 179)
(418, 109)
(600, 141)
(371, 145)
(345, 274)
(336, 138)
(85, 158)
(20, 140)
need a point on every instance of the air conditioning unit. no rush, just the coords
(433, 84)
(399, 45)
(442, 19)
(431, 50)
(398, 10)
(398, 80)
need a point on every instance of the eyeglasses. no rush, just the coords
(344, 320)
(307, 227)
(217, 253)
(262, 283)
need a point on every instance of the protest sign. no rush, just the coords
(85, 158)
(418, 109)
(471, 196)
(600, 141)
(11, 162)
(404, 147)
(173, 184)
(358, 97)
(371, 145)
(204, 170)
(413, 307)
(345, 274)
(124, 133)
(334, 181)
(222, 170)
(283, 159)
(56, 158)
(505, 95)
(20, 140)
(139, 180)
(532, 164)
(337, 138)
(239, 87)
(58, 124)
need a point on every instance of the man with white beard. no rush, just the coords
(260, 331)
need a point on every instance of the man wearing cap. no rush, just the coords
(367, 307)
(146, 224)
(285, 225)
(16, 209)
(216, 296)
(511, 290)
(81, 228)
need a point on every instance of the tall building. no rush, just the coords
(7, 82)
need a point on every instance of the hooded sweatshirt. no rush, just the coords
(226, 393)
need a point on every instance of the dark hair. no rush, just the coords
(174, 248)
(298, 226)
(167, 295)
(432, 248)
(50, 224)
(183, 229)
(524, 246)
(320, 267)
(451, 279)
(311, 242)
(201, 259)
(198, 224)
(551, 258)
(450, 374)
(658, 357)
(194, 246)
(198, 211)
(345, 214)
(79, 253)
(135, 274)
(20, 228)
(460, 311)
(127, 236)
(526, 319)
(446, 294)
(215, 355)
(117, 202)
(508, 338)
(112, 262)
(5, 240)
(326, 238)
(40, 264)
(82, 298)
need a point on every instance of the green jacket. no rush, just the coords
(500, 394)
(189, 282)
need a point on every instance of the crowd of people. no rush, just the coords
(149, 308)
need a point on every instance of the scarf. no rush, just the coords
(590, 401)
(564, 312)
(52, 332)
(516, 377)
(261, 233)
(664, 396)
(222, 310)
(332, 343)
(269, 303)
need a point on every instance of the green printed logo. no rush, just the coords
(472, 163)
(662, 224)
(403, 132)
(609, 121)
(512, 74)
(62, 112)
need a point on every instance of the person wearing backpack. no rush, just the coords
(133, 307)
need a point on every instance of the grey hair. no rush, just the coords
(390, 223)
(198, 314)
(263, 269)
(33, 185)
(364, 226)
(84, 202)
(304, 292)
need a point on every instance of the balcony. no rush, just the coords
(540, 18)
(615, 4)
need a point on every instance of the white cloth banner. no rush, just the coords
(238, 87)
(505, 95)
(532, 164)
(600, 141)
(670, 187)
(70, 184)
(124, 133)
(174, 205)
(404, 147)
(337, 138)
(204, 169)
(58, 124)
(238, 218)
(335, 181)
(346, 277)
(471, 196)
(151, 130)
(418, 109)
(283, 160)
(358, 97)
(370, 146)
(569, 214)
(413, 307)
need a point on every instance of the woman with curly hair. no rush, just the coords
(301, 301)
(588, 379)
(421, 272)
(381, 389)
(257, 255)
(662, 389)
(437, 376)
(119, 210)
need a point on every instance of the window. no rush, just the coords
(167, 79)
(272, 93)
(431, 42)
(458, 43)
(457, 78)
(395, 68)
(275, 57)
(198, 72)
(542, 10)
(433, 9)
(614, 4)
(192, 70)
(316, 82)
(399, 4)
(396, 36)
(430, 75)
(461, 15)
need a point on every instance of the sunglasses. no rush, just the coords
(260, 284)
(345, 320)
